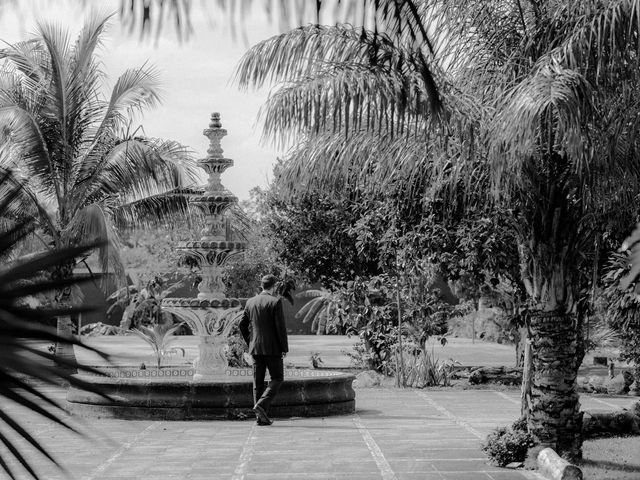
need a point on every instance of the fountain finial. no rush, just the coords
(215, 120)
(214, 133)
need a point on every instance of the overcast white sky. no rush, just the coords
(195, 76)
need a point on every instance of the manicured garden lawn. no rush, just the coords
(615, 458)
(331, 348)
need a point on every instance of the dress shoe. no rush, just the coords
(262, 415)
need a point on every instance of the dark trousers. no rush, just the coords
(261, 363)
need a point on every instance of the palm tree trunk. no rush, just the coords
(525, 389)
(635, 387)
(64, 325)
(555, 418)
(521, 345)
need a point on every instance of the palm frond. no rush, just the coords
(312, 309)
(29, 61)
(632, 245)
(57, 41)
(140, 167)
(19, 358)
(554, 103)
(330, 162)
(305, 54)
(153, 210)
(26, 140)
(92, 224)
(602, 35)
(345, 98)
(85, 84)
(136, 89)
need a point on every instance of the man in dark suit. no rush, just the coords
(264, 330)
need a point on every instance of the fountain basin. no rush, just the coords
(171, 394)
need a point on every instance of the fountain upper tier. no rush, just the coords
(215, 247)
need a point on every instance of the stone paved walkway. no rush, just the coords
(395, 434)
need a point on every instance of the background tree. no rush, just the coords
(532, 94)
(314, 234)
(85, 170)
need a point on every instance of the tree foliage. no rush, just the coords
(532, 133)
(85, 170)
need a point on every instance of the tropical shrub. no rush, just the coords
(623, 308)
(368, 308)
(320, 311)
(143, 306)
(159, 339)
(236, 349)
(508, 444)
(421, 368)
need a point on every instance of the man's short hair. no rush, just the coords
(268, 281)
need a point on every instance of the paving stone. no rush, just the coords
(434, 454)
(511, 475)
(472, 476)
(418, 476)
(295, 476)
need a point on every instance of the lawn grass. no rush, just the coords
(615, 458)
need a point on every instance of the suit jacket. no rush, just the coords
(263, 326)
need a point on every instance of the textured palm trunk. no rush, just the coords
(554, 417)
(527, 371)
(64, 324)
(635, 387)
(521, 345)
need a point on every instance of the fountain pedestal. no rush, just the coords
(211, 362)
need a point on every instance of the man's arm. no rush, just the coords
(244, 327)
(281, 327)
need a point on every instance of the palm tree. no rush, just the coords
(85, 171)
(538, 99)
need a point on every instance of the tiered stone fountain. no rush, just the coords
(211, 315)
(213, 390)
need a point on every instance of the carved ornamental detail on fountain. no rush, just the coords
(211, 315)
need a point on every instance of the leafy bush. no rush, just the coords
(142, 306)
(623, 307)
(421, 368)
(508, 444)
(369, 308)
(236, 348)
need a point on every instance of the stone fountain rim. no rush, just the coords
(328, 376)
(191, 302)
(208, 244)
